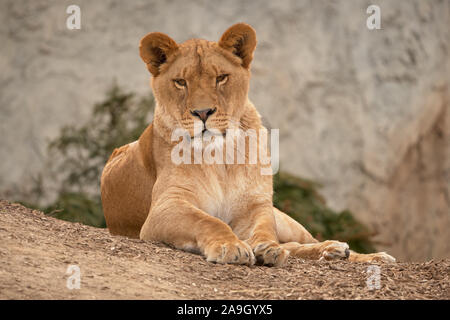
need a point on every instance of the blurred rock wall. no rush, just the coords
(364, 112)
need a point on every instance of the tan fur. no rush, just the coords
(223, 211)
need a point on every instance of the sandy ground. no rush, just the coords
(36, 251)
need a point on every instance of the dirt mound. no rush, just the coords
(36, 251)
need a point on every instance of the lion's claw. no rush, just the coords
(270, 253)
(235, 252)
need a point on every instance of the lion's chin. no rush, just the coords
(206, 133)
(208, 140)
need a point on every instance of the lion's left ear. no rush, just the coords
(240, 39)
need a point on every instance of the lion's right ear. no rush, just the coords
(154, 49)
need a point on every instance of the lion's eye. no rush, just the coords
(222, 79)
(180, 83)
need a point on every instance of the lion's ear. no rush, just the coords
(154, 49)
(240, 39)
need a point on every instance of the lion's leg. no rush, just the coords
(300, 243)
(289, 230)
(326, 250)
(179, 223)
(257, 227)
(371, 257)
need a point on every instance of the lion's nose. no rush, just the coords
(203, 114)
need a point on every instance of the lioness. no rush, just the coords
(223, 211)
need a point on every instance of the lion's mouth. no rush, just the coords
(208, 133)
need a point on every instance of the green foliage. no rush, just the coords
(299, 198)
(80, 152)
(78, 207)
(118, 120)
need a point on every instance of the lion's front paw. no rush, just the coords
(270, 253)
(334, 250)
(236, 252)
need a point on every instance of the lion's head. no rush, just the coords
(200, 80)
